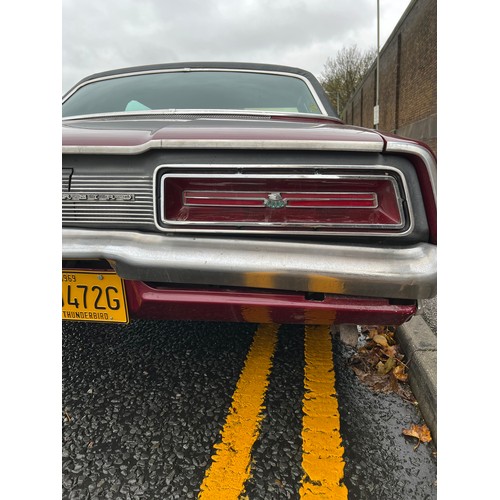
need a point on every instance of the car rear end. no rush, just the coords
(232, 191)
(287, 221)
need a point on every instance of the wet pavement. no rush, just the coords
(145, 404)
(380, 462)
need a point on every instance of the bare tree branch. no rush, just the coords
(343, 73)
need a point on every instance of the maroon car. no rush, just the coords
(233, 192)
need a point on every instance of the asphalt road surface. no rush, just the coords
(167, 410)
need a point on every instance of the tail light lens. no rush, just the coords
(296, 202)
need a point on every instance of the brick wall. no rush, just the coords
(408, 79)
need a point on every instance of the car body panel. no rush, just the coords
(221, 274)
(171, 302)
(129, 137)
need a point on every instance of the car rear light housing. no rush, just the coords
(299, 203)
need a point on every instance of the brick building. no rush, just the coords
(408, 79)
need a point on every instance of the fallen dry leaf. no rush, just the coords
(379, 364)
(400, 373)
(421, 432)
(391, 351)
(381, 340)
(385, 368)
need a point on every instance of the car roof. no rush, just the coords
(201, 64)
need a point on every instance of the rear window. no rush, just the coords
(193, 90)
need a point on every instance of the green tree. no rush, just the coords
(342, 74)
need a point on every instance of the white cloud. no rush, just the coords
(98, 36)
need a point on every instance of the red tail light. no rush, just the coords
(296, 202)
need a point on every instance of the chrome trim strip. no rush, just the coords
(423, 153)
(361, 146)
(227, 70)
(237, 177)
(315, 167)
(227, 114)
(394, 272)
(327, 196)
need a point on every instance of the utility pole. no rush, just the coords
(376, 108)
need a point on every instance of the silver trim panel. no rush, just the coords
(360, 146)
(394, 272)
(108, 199)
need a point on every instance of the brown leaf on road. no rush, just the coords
(421, 432)
(400, 373)
(385, 368)
(381, 340)
(379, 364)
(391, 351)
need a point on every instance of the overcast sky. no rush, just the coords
(100, 35)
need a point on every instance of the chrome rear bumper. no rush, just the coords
(394, 272)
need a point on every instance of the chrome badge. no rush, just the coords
(274, 200)
(98, 197)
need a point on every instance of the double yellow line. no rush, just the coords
(322, 451)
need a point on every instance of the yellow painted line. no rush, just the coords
(322, 451)
(230, 468)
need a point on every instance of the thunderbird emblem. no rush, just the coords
(274, 200)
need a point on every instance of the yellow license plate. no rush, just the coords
(93, 296)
